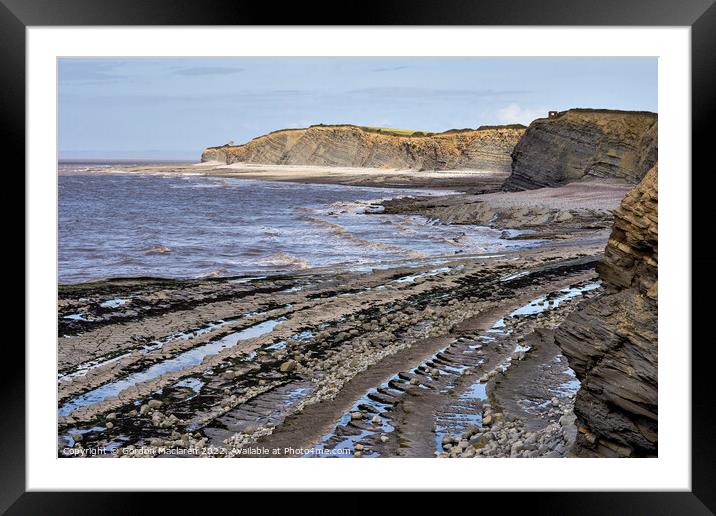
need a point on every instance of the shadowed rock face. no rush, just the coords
(611, 342)
(350, 146)
(583, 144)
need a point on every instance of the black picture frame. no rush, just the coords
(700, 15)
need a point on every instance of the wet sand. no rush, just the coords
(472, 181)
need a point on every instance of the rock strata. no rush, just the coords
(611, 342)
(486, 149)
(585, 144)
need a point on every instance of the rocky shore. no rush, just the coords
(140, 369)
(612, 342)
(551, 212)
(545, 351)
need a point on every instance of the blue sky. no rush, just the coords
(172, 108)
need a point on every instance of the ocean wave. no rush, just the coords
(198, 186)
(217, 273)
(158, 249)
(343, 233)
(284, 260)
(251, 251)
(358, 207)
(424, 229)
(269, 231)
(416, 228)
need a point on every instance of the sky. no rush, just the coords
(172, 108)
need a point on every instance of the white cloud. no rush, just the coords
(516, 114)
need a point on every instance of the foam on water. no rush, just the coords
(128, 225)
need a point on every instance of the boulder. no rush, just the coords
(288, 366)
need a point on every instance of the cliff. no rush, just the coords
(584, 143)
(487, 148)
(611, 342)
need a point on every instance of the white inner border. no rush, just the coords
(671, 471)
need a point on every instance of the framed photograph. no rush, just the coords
(423, 240)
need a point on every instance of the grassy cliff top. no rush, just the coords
(604, 111)
(387, 131)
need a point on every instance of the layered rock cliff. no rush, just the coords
(611, 342)
(487, 149)
(584, 143)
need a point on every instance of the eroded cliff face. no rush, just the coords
(611, 342)
(584, 143)
(350, 146)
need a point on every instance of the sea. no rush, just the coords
(179, 225)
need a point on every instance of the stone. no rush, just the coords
(470, 431)
(154, 404)
(477, 440)
(566, 420)
(376, 420)
(487, 420)
(288, 366)
(447, 440)
(357, 415)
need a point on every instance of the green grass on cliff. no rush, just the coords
(606, 111)
(392, 131)
(388, 131)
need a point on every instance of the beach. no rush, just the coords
(462, 180)
(316, 354)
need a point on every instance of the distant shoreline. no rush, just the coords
(469, 181)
